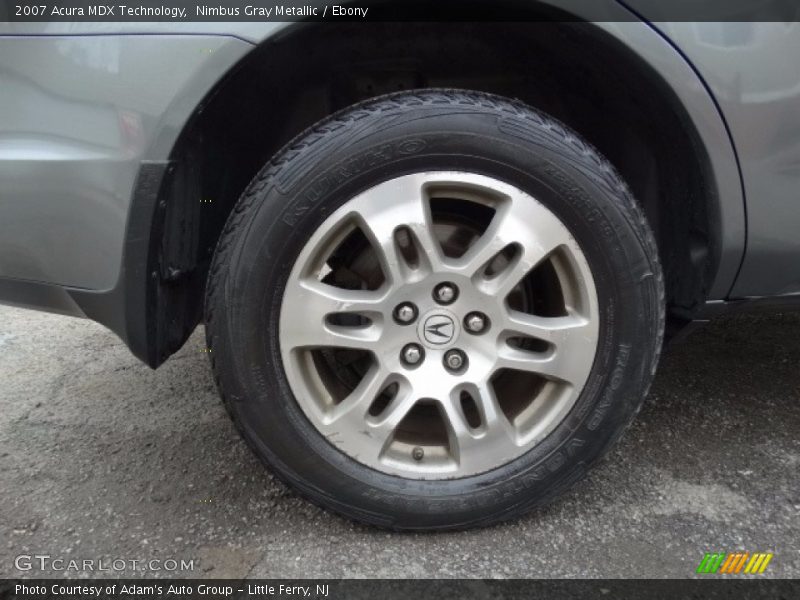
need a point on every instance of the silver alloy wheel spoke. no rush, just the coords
(461, 439)
(356, 405)
(380, 409)
(498, 427)
(555, 366)
(570, 353)
(308, 328)
(380, 430)
(529, 228)
(404, 204)
(495, 428)
(560, 331)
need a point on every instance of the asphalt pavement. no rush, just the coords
(103, 458)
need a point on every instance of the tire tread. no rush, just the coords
(593, 164)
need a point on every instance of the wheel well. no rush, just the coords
(573, 71)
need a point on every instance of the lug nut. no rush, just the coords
(454, 360)
(412, 354)
(405, 312)
(445, 293)
(475, 322)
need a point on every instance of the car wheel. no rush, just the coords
(435, 309)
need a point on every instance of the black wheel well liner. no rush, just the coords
(574, 71)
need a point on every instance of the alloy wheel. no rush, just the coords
(439, 325)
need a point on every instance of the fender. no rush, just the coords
(154, 315)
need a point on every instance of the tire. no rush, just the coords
(352, 152)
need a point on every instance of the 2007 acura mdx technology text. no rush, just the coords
(435, 262)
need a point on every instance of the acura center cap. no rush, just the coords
(438, 329)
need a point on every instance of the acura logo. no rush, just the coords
(439, 329)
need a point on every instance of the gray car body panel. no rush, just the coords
(78, 115)
(753, 71)
(84, 105)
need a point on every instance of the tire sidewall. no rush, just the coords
(311, 179)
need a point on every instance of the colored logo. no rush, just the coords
(734, 563)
